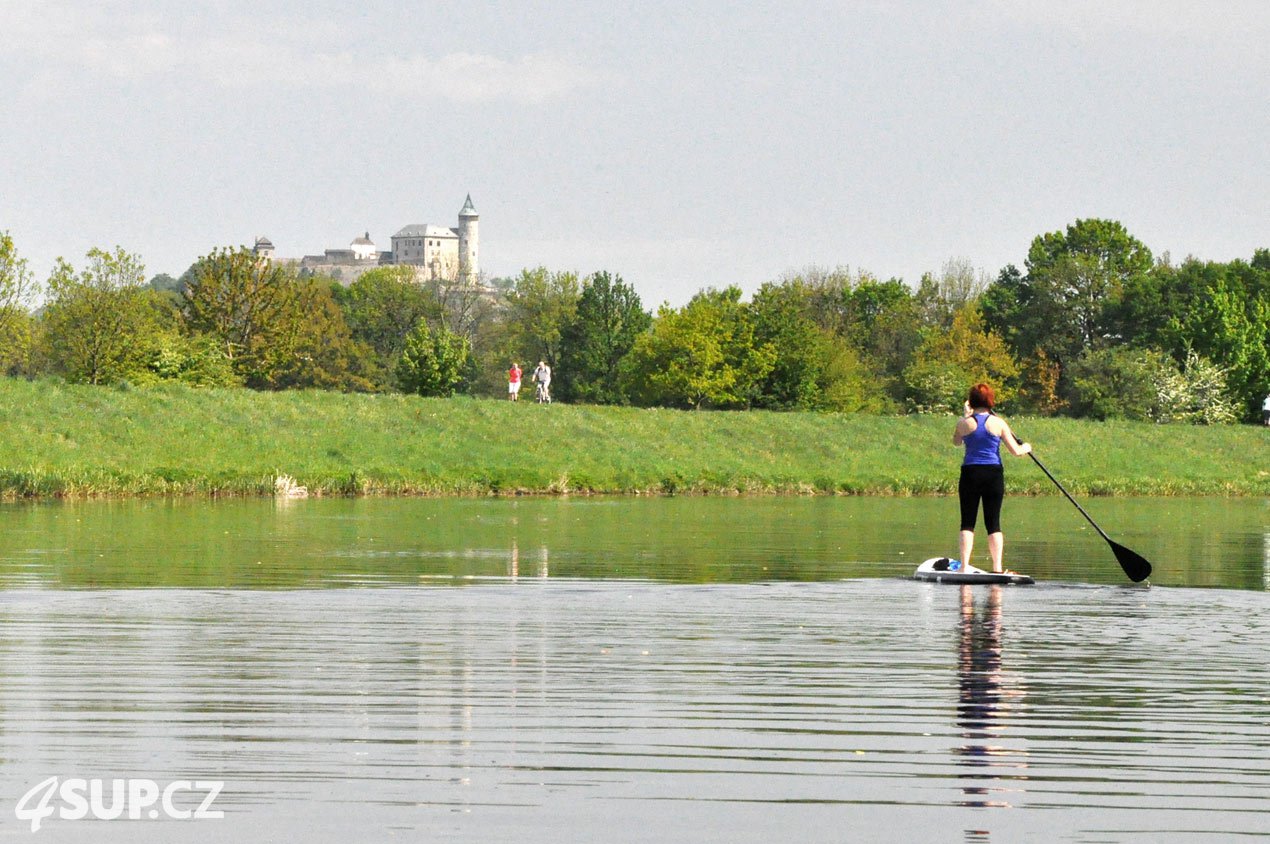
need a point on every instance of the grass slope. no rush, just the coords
(59, 440)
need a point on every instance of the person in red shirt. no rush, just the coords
(513, 382)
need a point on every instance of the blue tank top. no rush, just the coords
(982, 446)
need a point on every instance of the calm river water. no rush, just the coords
(634, 670)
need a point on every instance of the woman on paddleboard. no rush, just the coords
(982, 475)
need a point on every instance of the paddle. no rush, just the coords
(1133, 563)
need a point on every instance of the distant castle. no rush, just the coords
(438, 253)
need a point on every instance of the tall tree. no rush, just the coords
(949, 361)
(17, 285)
(939, 297)
(382, 307)
(1226, 319)
(17, 288)
(1119, 255)
(702, 355)
(541, 304)
(278, 331)
(99, 322)
(1071, 298)
(884, 325)
(243, 301)
(812, 367)
(310, 346)
(608, 320)
(781, 320)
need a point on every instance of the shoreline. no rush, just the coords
(74, 442)
(54, 490)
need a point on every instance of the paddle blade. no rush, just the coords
(1133, 563)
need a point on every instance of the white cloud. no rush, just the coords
(139, 48)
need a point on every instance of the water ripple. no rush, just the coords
(532, 706)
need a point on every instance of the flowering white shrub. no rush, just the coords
(1197, 394)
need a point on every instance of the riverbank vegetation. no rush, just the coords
(72, 440)
(1093, 326)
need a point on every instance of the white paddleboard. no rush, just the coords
(944, 570)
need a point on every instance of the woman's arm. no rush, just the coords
(1018, 449)
(965, 425)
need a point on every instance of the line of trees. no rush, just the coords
(1093, 325)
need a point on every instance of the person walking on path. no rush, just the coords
(542, 377)
(513, 382)
(982, 475)
(1265, 410)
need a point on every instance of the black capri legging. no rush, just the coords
(986, 483)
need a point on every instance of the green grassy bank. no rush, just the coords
(60, 440)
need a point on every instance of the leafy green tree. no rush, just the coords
(17, 284)
(278, 331)
(1084, 295)
(247, 303)
(1119, 254)
(17, 328)
(801, 349)
(935, 386)
(870, 306)
(1117, 383)
(382, 307)
(167, 289)
(99, 323)
(813, 368)
(879, 321)
(948, 362)
(608, 319)
(165, 282)
(541, 305)
(21, 344)
(1008, 306)
(702, 355)
(310, 346)
(884, 323)
(194, 360)
(844, 383)
(433, 361)
(1223, 314)
(1071, 299)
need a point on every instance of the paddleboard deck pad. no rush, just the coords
(944, 570)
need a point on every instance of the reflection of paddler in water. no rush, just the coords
(982, 699)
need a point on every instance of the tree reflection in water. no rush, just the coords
(544, 562)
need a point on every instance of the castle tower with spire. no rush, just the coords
(438, 253)
(469, 240)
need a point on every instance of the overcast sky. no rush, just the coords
(680, 144)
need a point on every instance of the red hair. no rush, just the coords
(981, 395)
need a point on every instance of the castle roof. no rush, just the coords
(264, 243)
(364, 240)
(424, 230)
(468, 209)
